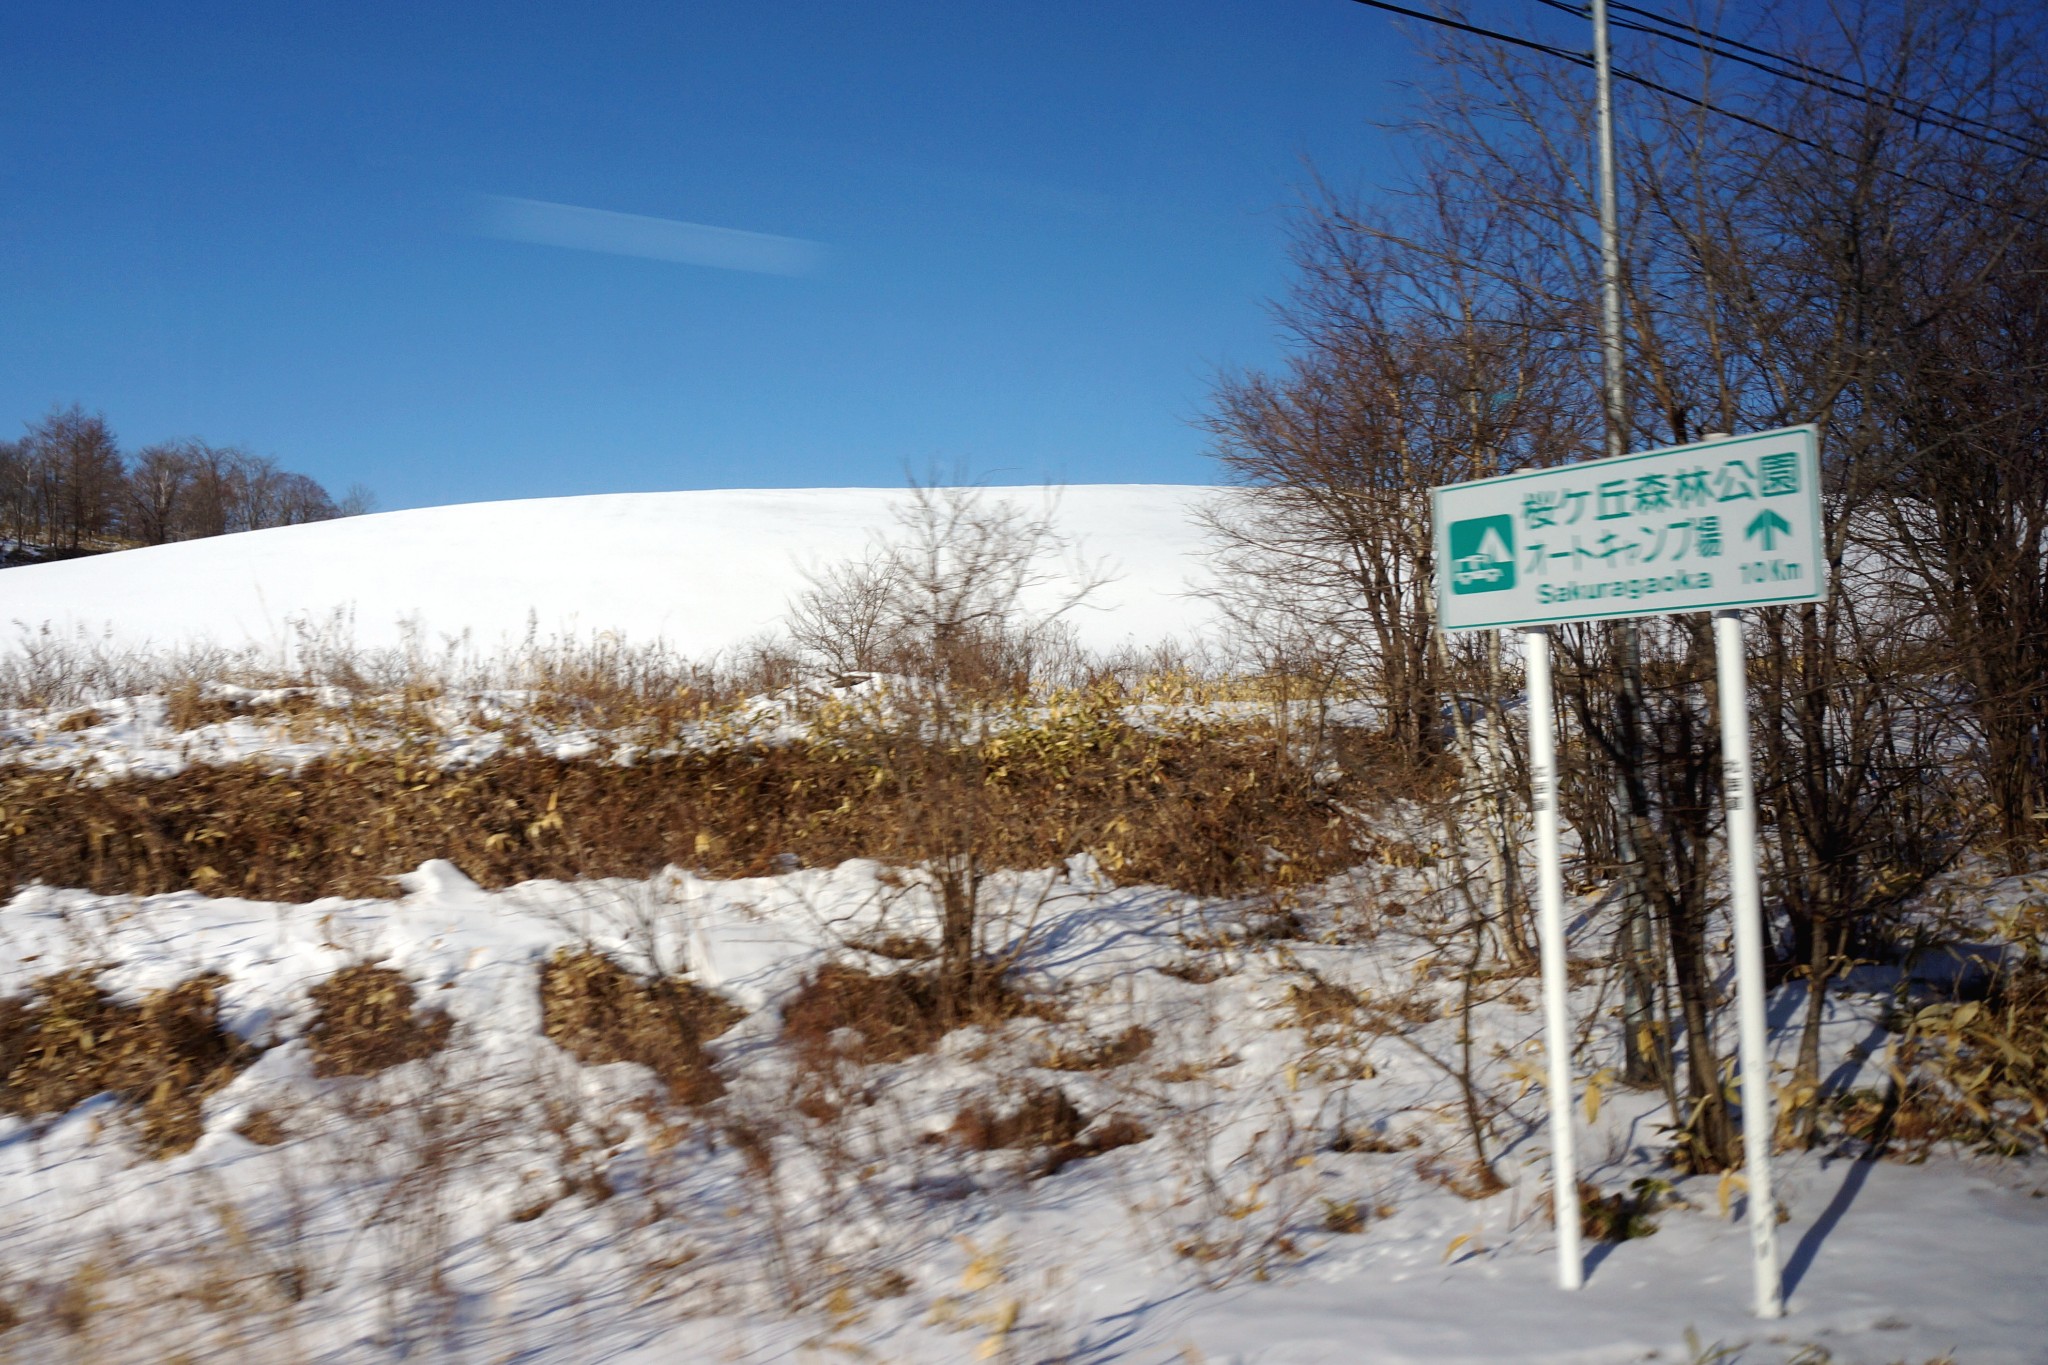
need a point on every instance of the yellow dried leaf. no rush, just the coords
(1731, 1181)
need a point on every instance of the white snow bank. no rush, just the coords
(677, 1256)
(702, 571)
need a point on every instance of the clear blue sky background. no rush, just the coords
(1047, 226)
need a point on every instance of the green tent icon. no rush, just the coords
(1482, 555)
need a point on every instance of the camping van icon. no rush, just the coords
(1482, 555)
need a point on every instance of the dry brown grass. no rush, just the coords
(69, 1040)
(1099, 1054)
(365, 1021)
(1205, 810)
(601, 1013)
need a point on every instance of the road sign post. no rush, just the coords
(1564, 1166)
(1717, 526)
(1738, 798)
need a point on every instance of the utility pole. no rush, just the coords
(1610, 240)
(1641, 1047)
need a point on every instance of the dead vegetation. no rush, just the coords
(844, 1013)
(69, 1040)
(1042, 1120)
(1042, 1116)
(1973, 1072)
(1207, 809)
(365, 1021)
(601, 1013)
(1098, 1054)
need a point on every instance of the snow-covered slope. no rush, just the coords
(701, 571)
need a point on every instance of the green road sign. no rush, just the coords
(1733, 522)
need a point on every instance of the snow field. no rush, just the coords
(500, 1200)
(700, 573)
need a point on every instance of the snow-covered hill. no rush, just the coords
(700, 571)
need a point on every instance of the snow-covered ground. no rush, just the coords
(701, 572)
(1210, 1241)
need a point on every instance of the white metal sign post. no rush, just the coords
(1557, 1024)
(1716, 526)
(1738, 797)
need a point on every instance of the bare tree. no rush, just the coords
(300, 499)
(74, 476)
(1856, 263)
(157, 489)
(957, 604)
(964, 593)
(357, 501)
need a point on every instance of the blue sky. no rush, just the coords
(1040, 229)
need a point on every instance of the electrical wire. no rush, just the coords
(1791, 68)
(1585, 59)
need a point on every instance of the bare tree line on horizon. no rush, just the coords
(67, 489)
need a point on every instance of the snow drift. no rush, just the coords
(699, 571)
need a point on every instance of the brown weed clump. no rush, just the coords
(69, 1040)
(1043, 1119)
(1620, 1216)
(364, 1022)
(844, 1012)
(601, 1013)
(1099, 1054)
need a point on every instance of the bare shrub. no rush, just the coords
(961, 595)
(70, 1041)
(601, 1013)
(364, 1022)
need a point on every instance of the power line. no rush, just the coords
(1581, 58)
(1791, 68)
(1707, 106)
